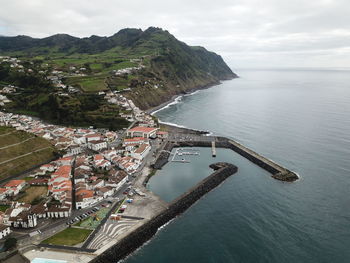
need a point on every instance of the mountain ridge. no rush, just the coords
(167, 66)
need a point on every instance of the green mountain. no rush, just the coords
(168, 66)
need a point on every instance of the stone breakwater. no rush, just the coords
(277, 171)
(145, 232)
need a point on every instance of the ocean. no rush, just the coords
(298, 118)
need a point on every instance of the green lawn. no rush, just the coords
(89, 83)
(68, 237)
(93, 221)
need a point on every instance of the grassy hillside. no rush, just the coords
(166, 66)
(21, 151)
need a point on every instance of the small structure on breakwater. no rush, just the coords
(213, 149)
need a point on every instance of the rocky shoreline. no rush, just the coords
(173, 98)
(145, 232)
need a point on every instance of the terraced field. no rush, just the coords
(20, 151)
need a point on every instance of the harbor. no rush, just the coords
(182, 153)
(178, 141)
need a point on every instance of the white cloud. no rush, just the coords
(248, 33)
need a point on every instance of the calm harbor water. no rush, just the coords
(300, 119)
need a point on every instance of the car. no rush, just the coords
(109, 202)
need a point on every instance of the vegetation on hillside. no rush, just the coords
(168, 67)
(21, 151)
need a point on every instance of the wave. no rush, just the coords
(175, 101)
(173, 124)
(207, 133)
(192, 93)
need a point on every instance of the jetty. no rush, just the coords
(277, 171)
(129, 243)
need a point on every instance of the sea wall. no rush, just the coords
(277, 171)
(145, 232)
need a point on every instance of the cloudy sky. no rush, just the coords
(247, 33)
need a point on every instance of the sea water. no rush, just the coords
(298, 118)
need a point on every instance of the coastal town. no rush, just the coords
(77, 155)
(92, 166)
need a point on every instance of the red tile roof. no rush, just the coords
(142, 129)
(135, 139)
(64, 170)
(14, 183)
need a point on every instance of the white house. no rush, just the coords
(4, 231)
(93, 137)
(117, 181)
(79, 139)
(97, 184)
(141, 152)
(4, 193)
(86, 198)
(58, 212)
(105, 191)
(75, 150)
(97, 145)
(15, 185)
(146, 132)
(135, 140)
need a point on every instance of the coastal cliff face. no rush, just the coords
(178, 69)
(170, 67)
(135, 239)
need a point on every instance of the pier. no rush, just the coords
(277, 171)
(180, 152)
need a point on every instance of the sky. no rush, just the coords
(246, 33)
